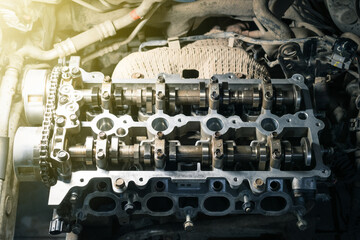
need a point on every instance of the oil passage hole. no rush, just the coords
(160, 124)
(105, 124)
(214, 124)
(269, 124)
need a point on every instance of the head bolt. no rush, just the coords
(75, 71)
(62, 155)
(63, 100)
(161, 79)
(214, 95)
(101, 154)
(217, 134)
(102, 135)
(107, 79)
(65, 76)
(218, 153)
(259, 184)
(159, 153)
(60, 121)
(73, 118)
(276, 154)
(160, 135)
(267, 80)
(268, 95)
(160, 95)
(106, 95)
(214, 79)
(120, 183)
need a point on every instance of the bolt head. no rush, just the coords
(302, 224)
(63, 100)
(101, 155)
(161, 79)
(188, 226)
(129, 208)
(218, 153)
(60, 121)
(214, 79)
(214, 95)
(268, 95)
(276, 154)
(107, 79)
(102, 135)
(75, 70)
(247, 207)
(160, 135)
(106, 95)
(120, 183)
(62, 155)
(73, 117)
(73, 197)
(259, 183)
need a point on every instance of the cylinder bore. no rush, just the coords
(214, 124)
(105, 124)
(160, 124)
(269, 124)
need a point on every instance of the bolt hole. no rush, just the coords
(234, 121)
(160, 124)
(102, 186)
(105, 124)
(288, 120)
(269, 124)
(125, 121)
(121, 131)
(318, 124)
(217, 186)
(179, 120)
(159, 186)
(81, 180)
(235, 179)
(302, 116)
(214, 124)
(141, 179)
(274, 186)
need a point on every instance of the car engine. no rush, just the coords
(198, 119)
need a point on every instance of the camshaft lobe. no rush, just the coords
(232, 154)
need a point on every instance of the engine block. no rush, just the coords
(169, 146)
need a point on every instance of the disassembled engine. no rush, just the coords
(246, 118)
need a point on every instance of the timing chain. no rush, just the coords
(47, 174)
